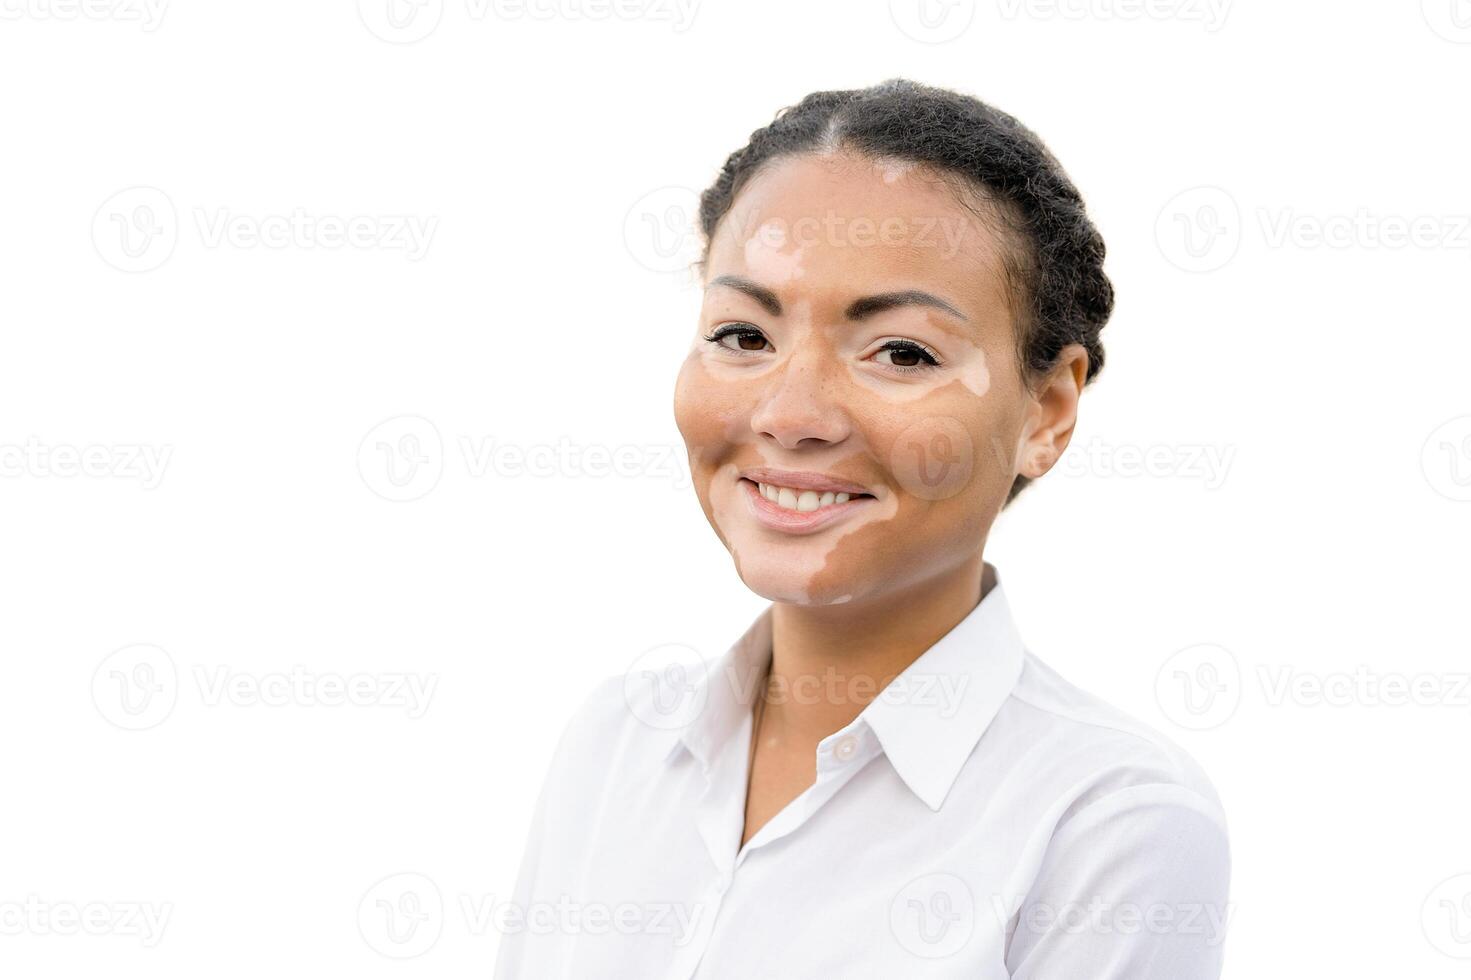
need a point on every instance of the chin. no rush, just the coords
(777, 585)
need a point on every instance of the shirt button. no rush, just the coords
(845, 747)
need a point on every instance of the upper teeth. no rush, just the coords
(800, 499)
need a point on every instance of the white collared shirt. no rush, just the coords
(980, 818)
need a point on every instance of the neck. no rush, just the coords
(828, 662)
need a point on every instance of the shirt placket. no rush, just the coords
(721, 817)
(718, 819)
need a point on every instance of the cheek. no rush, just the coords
(712, 409)
(933, 458)
(952, 443)
(706, 408)
(950, 458)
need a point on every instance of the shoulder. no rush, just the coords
(1132, 838)
(1124, 812)
(602, 712)
(625, 716)
(1098, 758)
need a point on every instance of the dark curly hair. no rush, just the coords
(1054, 265)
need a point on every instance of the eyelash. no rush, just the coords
(930, 358)
(925, 353)
(734, 329)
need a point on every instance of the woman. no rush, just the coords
(903, 300)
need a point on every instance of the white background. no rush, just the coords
(1276, 322)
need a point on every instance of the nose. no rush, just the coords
(801, 406)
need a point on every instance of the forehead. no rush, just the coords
(829, 227)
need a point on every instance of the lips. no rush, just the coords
(803, 502)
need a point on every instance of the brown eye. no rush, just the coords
(747, 339)
(906, 355)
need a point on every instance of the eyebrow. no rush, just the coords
(859, 309)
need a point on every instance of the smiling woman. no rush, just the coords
(903, 300)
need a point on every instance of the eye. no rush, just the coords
(748, 339)
(906, 356)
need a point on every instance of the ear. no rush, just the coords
(1052, 413)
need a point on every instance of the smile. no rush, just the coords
(800, 510)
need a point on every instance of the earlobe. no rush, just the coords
(1039, 461)
(1056, 413)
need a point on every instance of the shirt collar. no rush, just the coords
(724, 693)
(928, 719)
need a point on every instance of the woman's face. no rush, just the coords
(863, 342)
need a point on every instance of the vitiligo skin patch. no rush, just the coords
(772, 257)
